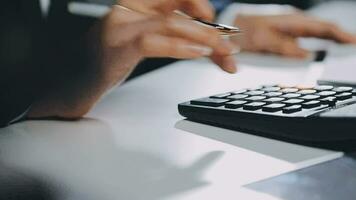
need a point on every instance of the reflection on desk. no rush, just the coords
(83, 158)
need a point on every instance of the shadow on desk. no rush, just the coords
(292, 153)
(85, 160)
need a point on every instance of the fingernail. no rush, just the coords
(202, 50)
(230, 65)
(235, 50)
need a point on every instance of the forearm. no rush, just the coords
(99, 69)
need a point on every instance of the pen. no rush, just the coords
(224, 30)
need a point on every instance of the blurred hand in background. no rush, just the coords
(278, 34)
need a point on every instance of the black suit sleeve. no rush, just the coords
(38, 56)
(18, 60)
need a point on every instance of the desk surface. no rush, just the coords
(134, 144)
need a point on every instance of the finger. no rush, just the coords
(206, 36)
(341, 36)
(201, 9)
(308, 27)
(154, 45)
(173, 26)
(226, 63)
(328, 31)
(285, 46)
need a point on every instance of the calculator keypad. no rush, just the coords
(276, 99)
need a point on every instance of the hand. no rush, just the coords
(201, 9)
(278, 34)
(121, 40)
(128, 37)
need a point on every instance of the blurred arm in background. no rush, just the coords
(275, 28)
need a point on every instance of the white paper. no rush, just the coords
(340, 70)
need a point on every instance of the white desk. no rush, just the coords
(134, 145)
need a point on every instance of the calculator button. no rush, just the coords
(323, 88)
(274, 100)
(291, 95)
(292, 109)
(210, 102)
(271, 89)
(311, 104)
(239, 91)
(344, 96)
(235, 104)
(307, 91)
(256, 98)
(290, 90)
(254, 92)
(275, 107)
(343, 89)
(293, 101)
(327, 93)
(310, 97)
(269, 86)
(238, 96)
(273, 94)
(254, 106)
(331, 101)
(221, 96)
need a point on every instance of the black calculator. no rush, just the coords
(322, 116)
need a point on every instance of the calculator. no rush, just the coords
(322, 116)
